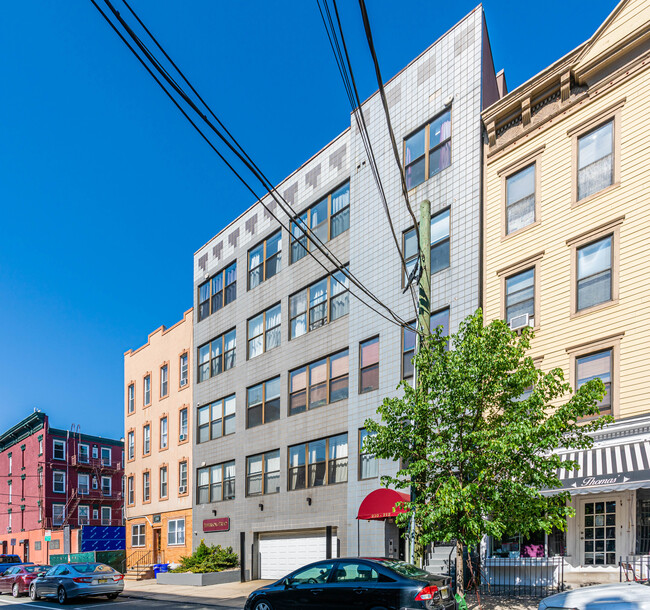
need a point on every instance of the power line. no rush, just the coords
(234, 148)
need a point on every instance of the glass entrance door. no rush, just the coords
(599, 542)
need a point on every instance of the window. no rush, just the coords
(321, 462)
(217, 356)
(263, 473)
(106, 456)
(106, 515)
(325, 220)
(216, 483)
(182, 436)
(131, 398)
(216, 419)
(58, 481)
(597, 365)
(84, 453)
(95, 484)
(95, 452)
(131, 444)
(520, 297)
(318, 573)
(594, 281)
(428, 151)
(10, 491)
(520, 199)
(439, 244)
(147, 390)
(264, 331)
(176, 531)
(265, 260)
(163, 482)
(163, 380)
(146, 440)
(137, 535)
(131, 490)
(40, 477)
(40, 445)
(354, 572)
(95, 514)
(182, 478)
(58, 515)
(369, 365)
(83, 484)
(218, 291)
(596, 160)
(163, 433)
(37, 543)
(263, 403)
(368, 463)
(59, 449)
(106, 486)
(311, 308)
(320, 383)
(438, 318)
(145, 487)
(184, 370)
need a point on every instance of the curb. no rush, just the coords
(177, 598)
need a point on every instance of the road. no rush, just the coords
(121, 603)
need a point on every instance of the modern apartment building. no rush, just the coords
(158, 432)
(55, 481)
(289, 363)
(565, 234)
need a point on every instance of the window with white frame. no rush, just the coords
(147, 390)
(106, 456)
(146, 439)
(131, 398)
(58, 449)
(58, 514)
(58, 481)
(163, 481)
(593, 366)
(265, 260)
(520, 199)
(95, 514)
(596, 160)
(594, 277)
(10, 490)
(216, 420)
(182, 478)
(182, 436)
(131, 490)
(137, 535)
(95, 452)
(83, 484)
(131, 444)
(184, 370)
(106, 515)
(83, 515)
(163, 433)
(176, 532)
(164, 386)
(146, 489)
(106, 486)
(217, 356)
(264, 331)
(520, 295)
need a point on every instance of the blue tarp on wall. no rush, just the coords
(103, 538)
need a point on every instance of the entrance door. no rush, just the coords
(157, 554)
(26, 551)
(599, 525)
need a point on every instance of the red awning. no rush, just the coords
(380, 504)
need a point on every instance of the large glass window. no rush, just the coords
(264, 331)
(317, 463)
(596, 160)
(263, 403)
(438, 318)
(265, 260)
(218, 291)
(217, 356)
(428, 151)
(520, 297)
(325, 220)
(176, 532)
(594, 273)
(591, 366)
(439, 244)
(368, 463)
(216, 420)
(324, 301)
(138, 535)
(520, 199)
(369, 365)
(263, 473)
(216, 483)
(319, 383)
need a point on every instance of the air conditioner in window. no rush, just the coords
(182, 437)
(182, 489)
(519, 322)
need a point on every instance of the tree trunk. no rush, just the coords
(460, 574)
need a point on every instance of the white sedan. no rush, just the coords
(616, 596)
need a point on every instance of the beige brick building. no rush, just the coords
(566, 226)
(158, 446)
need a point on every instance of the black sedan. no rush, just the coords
(359, 583)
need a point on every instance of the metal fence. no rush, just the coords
(634, 568)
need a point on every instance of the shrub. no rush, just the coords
(208, 559)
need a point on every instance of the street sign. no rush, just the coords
(12, 542)
(48, 535)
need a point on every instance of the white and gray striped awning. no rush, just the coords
(609, 468)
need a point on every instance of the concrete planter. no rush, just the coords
(198, 580)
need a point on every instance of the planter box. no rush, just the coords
(199, 580)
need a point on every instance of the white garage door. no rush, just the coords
(284, 552)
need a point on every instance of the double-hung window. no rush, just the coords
(217, 356)
(131, 444)
(58, 514)
(263, 403)
(83, 484)
(319, 383)
(594, 278)
(182, 425)
(438, 318)
(147, 390)
(164, 386)
(369, 365)
(324, 220)
(428, 151)
(324, 301)
(131, 491)
(83, 515)
(106, 515)
(106, 486)
(216, 419)
(84, 454)
(265, 260)
(520, 298)
(318, 463)
(368, 463)
(137, 535)
(182, 478)
(264, 331)
(184, 370)
(106, 456)
(146, 488)
(59, 449)
(163, 433)
(597, 365)
(439, 244)
(263, 473)
(163, 481)
(596, 160)
(58, 481)
(216, 483)
(218, 291)
(176, 532)
(131, 398)
(520, 199)
(146, 439)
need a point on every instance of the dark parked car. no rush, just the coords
(69, 580)
(356, 583)
(9, 561)
(16, 580)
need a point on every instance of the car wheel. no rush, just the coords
(112, 595)
(32, 593)
(15, 590)
(61, 595)
(263, 605)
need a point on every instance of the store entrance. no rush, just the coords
(598, 535)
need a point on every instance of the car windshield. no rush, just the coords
(403, 568)
(89, 568)
(31, 569)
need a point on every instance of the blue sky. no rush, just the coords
(106, 191)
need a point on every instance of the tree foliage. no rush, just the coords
(208, 559)
(475, 449)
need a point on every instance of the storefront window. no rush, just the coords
(643, 521)
(537, 544)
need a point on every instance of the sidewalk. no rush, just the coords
(228, 595)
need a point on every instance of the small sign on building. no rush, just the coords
(48, 535)
(156, 518)
(221, 524)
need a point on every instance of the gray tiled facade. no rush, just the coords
(453, 67)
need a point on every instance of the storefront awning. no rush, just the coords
(610, 468)
(380, 504)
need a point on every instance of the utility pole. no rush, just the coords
(424, 319)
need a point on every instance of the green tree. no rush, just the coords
(474, 445)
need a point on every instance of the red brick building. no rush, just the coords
(55, 481)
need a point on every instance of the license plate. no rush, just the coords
(444, 593)
(101, 581)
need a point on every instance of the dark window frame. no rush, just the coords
(214, 423)
(264, 265)
(366, 368)
(429, 151)
(216, 365)
(308, 467)
(216, 298)
(264, 402)
(440, 243)
(264, 473)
